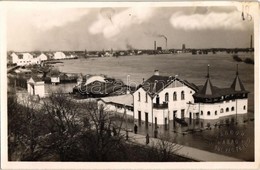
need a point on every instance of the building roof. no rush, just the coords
(103, 88)
(156, 83)
(126, 99)
(237, 84)
(34, 79)
(210, 91)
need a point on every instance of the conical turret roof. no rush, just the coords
(237, 84)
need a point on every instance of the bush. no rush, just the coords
(236, 58)
(249, 61)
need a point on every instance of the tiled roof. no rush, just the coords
(157, 83)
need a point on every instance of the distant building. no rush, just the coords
(55, 80)
(35, 86)
(59, 56)
(183, 48)
(43, 57)
(159, 48)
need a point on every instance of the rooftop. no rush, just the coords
(126, 99)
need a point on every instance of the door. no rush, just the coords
(174, 116)
(146, 119)
(139, 118)
(165, 123)
(182, 113)
(190, 117)
(155, 120)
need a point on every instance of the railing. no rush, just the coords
(160, 106)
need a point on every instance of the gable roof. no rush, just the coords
(34, 79)
(156, 83)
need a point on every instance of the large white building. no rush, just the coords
(161, 99)
(22, 59)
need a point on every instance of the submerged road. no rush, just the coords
(185, 151)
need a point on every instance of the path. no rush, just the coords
(186, 151)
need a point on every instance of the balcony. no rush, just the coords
(160, 106)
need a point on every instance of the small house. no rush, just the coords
(35, 86)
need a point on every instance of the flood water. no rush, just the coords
(192, 68)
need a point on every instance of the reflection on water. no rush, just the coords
(221, 136)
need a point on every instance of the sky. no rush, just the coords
(44, 29)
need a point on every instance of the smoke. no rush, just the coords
(113, 24)
(160, 35)
(209, 20)
(129, 46)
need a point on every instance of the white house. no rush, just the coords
(14, 58)
(42, 57)
(22, 59)
(161, 99)
(59, 56)
(35, 86)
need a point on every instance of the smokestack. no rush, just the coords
(251, 42)
(156, 72)
(154, 45)
(166, 43)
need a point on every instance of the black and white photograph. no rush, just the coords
(126, 83)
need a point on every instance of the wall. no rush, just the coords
(176, 105)
(212, 107)
(143, 106)
(39, 89)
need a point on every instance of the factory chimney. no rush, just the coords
(251, 42)
(166, 43)
(154, 45)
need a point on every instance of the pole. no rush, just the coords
(236, 111)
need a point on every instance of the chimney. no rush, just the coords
(156, 72)
(154, 45)
(251, 42)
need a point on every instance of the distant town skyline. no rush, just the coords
(31, 29)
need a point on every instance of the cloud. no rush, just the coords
(112, 26)
(210, 20)
(45, 19)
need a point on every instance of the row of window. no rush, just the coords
(221, 110)
(166, 97)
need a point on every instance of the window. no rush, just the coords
(174, 96)
(166, 97)
(182, 95)
(208, 113)
(221, 110)
(244, 107)
(139, 96)
(146, 97)
(232, 108)
(227, 109)
(216, 113)
(201, 113)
